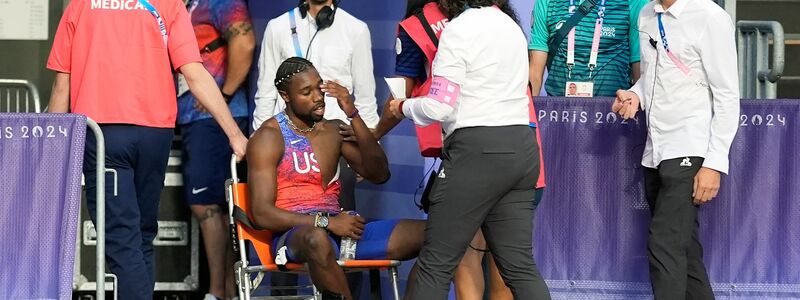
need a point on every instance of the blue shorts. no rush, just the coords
(206, 161)
(372, 245)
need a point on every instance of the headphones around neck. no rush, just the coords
(325, 16)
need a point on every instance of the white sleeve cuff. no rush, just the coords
(716, 162)
(407, 107)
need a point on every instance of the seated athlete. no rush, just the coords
(293, 173)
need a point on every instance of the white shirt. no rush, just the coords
(689, 115)
(342, 52)
(484, 52)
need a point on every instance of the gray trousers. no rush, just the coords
(487, 180)
(674, 251)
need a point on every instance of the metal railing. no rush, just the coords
(757, 78)
(100, 191)
(19, 96)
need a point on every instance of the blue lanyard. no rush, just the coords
(677, 61)
(662, 32)
(161, 26)
(295, 40)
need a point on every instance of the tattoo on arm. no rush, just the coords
(209, 213)
(243, 28)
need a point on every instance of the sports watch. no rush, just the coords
(321, 220)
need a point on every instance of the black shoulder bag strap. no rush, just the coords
(428, 29)
(562, 32)
(214, 45)
(241, 216)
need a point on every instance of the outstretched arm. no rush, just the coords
(205, 89)
(388, 120)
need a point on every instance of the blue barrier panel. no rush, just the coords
(41, 158)
(591, 227)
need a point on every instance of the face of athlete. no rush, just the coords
(573, 89)
(304, 97)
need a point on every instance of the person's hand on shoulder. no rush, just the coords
(348, 135)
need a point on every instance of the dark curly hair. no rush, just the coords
(288, 68)
(453, 8)
(413, 7)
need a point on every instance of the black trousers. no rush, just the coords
(674, 251)
(347, 200)
(487, 180)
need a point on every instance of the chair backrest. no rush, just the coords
(19, 96)
(260, 239)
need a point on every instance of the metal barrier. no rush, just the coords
(16, 93)
(101, 210)
(757, 79)
(21, 132)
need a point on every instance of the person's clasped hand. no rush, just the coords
(626, 104)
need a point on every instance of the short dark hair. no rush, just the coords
(413, 7)
(453, 8)
(288, 68)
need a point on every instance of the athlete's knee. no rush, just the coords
(317, 246)
(406, 240)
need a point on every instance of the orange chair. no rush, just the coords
(261, 240)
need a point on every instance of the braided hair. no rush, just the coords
(288, 68)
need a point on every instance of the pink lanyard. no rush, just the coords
(598, 28)
(678, 63)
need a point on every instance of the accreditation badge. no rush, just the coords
(579, 89)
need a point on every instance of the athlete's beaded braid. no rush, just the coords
(288, 68)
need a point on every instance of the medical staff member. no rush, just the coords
(114, 63)
(490, 158)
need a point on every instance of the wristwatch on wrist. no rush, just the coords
(321, 220)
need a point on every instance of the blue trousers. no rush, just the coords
(139, 155)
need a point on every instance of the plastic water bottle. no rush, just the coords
(347, 249)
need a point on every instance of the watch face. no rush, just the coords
(323, 222)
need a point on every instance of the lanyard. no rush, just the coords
(295, 40)
(154, 12)
(192, 6)
(598, 28)
(678, 63)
